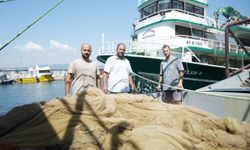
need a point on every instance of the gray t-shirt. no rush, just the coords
(84, 74)
(170, 69)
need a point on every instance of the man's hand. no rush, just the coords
(105, 90)
(180, 86)
(133, 90)
(158, 88)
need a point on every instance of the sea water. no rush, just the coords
(15, 94)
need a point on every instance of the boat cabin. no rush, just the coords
(39, 71)
(184, 25)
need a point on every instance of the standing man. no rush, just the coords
(82, 72)
(171, 73)
(117, 73)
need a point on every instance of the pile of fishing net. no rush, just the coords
(93, 120)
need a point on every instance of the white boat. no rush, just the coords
(193, 36)
(229, 97)
(4, 79)
(37, 74)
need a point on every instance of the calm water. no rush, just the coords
(18, 94)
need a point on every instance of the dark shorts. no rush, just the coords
(117, 92)
(172, 96)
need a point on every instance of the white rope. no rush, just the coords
(192, 91)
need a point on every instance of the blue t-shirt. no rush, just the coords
(170, 69)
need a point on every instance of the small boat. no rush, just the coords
(37, 74)
(5, 80)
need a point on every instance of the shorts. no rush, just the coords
(117, 92)
(172, 96)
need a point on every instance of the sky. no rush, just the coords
(56, 38)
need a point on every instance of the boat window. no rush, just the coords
(189, 8)
(197, 33)
(44, 71)
(198, 10)
(209, 35)
(149, 10)
(177, 4)
(164, 4)
(207, 59)
(141, 14)
(179, 30)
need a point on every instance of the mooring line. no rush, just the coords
(31, 25)
(192, 91)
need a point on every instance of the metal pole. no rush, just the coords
(102, 49)
(239, 42)
(226, 53)
(227, 43)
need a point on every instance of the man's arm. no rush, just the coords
(160, 82)
(69, 78)
(105, 79)
(181, 76)
(98, 81)
(131, 82)
(158, 88)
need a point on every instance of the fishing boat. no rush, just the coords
(198, 40)
(37, 74)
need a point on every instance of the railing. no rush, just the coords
(210, 22)
(154, 49)
(144, 49)
(214, 44)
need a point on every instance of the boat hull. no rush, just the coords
(7, 81)
(196, 75)
(43, 78)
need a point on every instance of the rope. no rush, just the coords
(192, 91)
(30, 25)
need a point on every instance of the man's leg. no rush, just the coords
(177, 97)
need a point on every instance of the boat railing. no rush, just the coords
(187, 55)
(163, 11)
(148, 49)
(209, 21)
(109, 47)
(214, 44)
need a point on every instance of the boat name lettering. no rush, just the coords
(195, 43)
(199, 73)
(148, 34)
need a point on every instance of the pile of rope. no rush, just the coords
(93, 120)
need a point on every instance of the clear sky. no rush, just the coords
(56, 39)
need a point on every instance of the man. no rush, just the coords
(83, 72)
(117, 73)
(171, 73)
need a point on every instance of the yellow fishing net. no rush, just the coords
(93, 120)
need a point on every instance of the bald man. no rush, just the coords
(82, 72)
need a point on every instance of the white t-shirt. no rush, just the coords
(119, 70)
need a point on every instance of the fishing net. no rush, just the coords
(93, 120)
